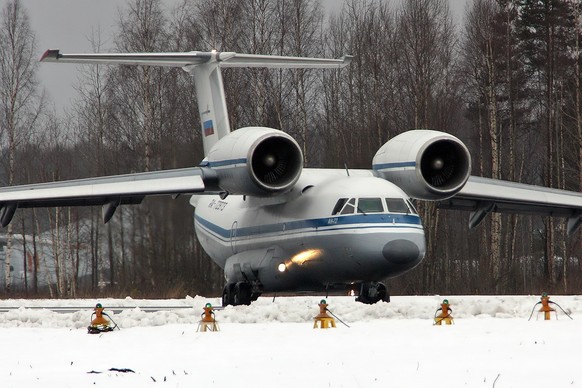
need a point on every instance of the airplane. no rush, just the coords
(275, 226)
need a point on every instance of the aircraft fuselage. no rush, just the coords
(330, 228)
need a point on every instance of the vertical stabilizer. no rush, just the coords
(211, 101)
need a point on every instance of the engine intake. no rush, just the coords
(256, 161)
(426, 164)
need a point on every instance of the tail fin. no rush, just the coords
(205, 69)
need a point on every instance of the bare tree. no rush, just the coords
(20, 101)
(94, 132)
(425, 61)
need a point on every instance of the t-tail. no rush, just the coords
(204, 67)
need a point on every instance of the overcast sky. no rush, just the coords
(68, 24)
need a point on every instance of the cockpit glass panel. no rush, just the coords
(338, 206)
(412, 207)
(349, 207)
(397, 205)
(370, 205)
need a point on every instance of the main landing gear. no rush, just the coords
(241, 293)
(373, 292)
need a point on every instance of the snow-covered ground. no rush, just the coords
(273, 344)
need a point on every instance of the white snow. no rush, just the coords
(273, 344)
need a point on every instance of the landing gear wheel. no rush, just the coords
(373, 292)
(255, 296)
(242, 294)
(227, 295)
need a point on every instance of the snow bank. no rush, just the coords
(37, 313)
(272, 344)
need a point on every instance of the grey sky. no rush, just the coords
(68, 24)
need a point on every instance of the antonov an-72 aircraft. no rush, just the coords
(273, 225)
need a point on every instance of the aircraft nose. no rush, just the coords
(401, 252)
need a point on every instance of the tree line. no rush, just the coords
(506, 81)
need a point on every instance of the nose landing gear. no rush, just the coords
(372, 292)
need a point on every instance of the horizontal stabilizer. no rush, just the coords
(193, 58)
(253, 60)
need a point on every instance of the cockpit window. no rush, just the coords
(397, 205)
(339, 205)
(370, 205)
(349, 207)
(412, 207)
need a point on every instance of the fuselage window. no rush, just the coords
(338, 206)
(370, 205)
(397, 205)
(349, 207)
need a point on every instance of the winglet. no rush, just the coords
(50, 56)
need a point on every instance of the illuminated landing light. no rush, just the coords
(282, 267)
(305, 256)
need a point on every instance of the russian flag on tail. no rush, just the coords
(208, 128)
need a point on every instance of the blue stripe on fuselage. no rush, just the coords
(385, 166)
(223, 163)
(357, 221)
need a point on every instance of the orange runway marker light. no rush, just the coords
(208, 321)
(546, 309)
(445, 314)
(323, 320)
(99, 324)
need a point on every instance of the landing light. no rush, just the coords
(282, 267)
(305, 256)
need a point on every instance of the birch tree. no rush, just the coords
(20, 101)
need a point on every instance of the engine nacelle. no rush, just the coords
(426, 164)
(256, 161)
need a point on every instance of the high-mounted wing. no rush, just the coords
(484, 195)
(109, 191)
(112, 191)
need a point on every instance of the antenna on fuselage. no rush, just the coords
(346, 167)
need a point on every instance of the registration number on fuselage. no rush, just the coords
(217, 204)
(332, 221)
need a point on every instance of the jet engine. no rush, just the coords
(256, 161)
(426, 164)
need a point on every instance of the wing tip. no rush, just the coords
(50, 55)
(346, 60)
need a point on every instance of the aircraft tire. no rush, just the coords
(242, 294)
(383, 293)
(227, 295)
(373, 292)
